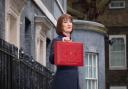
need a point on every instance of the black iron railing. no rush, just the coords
(19, 71)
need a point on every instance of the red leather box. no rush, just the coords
(68, 53)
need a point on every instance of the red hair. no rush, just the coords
(59, 29)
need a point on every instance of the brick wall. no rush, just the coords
(2, 16)
(116, 77)
(115, 17)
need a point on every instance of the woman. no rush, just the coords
(66, 77)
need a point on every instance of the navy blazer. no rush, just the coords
(66, 77)
(51, 57)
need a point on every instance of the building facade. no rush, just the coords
(30, 25)
(2, 16)
(26, 30)
(115, 19)
(91, 34)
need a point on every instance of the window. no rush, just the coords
(116, 4)
(12, 31)
(12, 22)
(91, 70)
(117, 52)
(27, 36)
(118, 87)
(42, 27)
(40, 45)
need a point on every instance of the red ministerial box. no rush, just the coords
(68, 53)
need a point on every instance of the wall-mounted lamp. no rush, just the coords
(110, 42)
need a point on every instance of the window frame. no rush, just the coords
(88, 78)
(117, 67)
(12, 28)
(40, 38)
(115, 2)
(115, 87)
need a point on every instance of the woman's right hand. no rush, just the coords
(66, 39)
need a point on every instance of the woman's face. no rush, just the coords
(67, 25)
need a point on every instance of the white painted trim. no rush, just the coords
(45, 10)
(118, 87)
(41, 36)
(117, 2)
(15, 14)
(43, 20)
(60, 6)
(87, 77)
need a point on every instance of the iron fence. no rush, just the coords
(19, 71)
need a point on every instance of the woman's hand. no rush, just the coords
(66, 39)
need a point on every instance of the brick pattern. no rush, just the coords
(116, 77)
(2, 16)
(115, 17)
